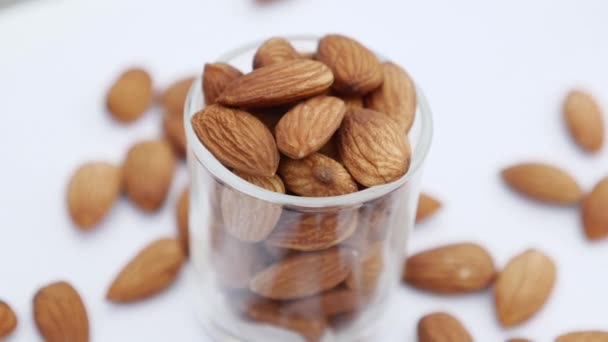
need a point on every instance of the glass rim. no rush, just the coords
(222, 173)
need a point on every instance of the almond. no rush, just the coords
(173, 127)
(130, 95)
(313, 231)
(584, 336)
(8, 320)
(237, 139)
(60, 314)
(309, 125)
(396, 97)
(303, 275)
(273, 183)
(181, 214)
(374, 150)
(585, 120)
(216, 77)
(148, 172)
(274, 50)
(366, 273)
(594, 211)
(523, 287)
(277, 84)
(427, 206)
(316, 176)
(442, 327)
(92, 191)
(174, 97)
(451, 269)
(330, 303)
(152, 270)
(543, 182)
(356, 69)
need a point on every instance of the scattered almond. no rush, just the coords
(174, 97)
(274, 50)
(173, 127)
(216, 77)
(181, 210)
(543, 182)
(427, 206)
(309, 125)
(130, 95)
(60, 314)
(594, 211)
(330, 303)
(148, 172)
(237, 139)
(584, 336)
(8, 320)
(442, 327)
(373, 148)
(523, 287)
(277, 84)
(584, 119)
(356, 69)
(451, 269)
(149, 272)
(92, 191)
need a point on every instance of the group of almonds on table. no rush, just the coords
(520, 289)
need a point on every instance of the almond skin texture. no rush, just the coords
(396, 97)
(130, 95)
(216, 77)
(374, 150)
(309, 125)
(273, 183)
(584, 336)
(60, 314)
(442, 327)
(523, 287)
(543, 182)
(277, 84)
(237, 139)
(327, 304)
(356, 69)
(451, 269)
(149, 272)
(316, 176)
(274, 50)
(173, 127)
(594, 211)
(174, 97)
(92, 192)
(181, 210)
(291, 278)
(148, 172)
(585, 120)
(427, 206)
(8, 320)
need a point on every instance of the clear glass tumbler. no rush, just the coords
(276, 267)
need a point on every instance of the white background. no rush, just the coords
(495, 74)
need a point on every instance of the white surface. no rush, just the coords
(495, 75)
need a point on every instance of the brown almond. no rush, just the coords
(374, 150)
(152, 270)
(442, 327)
(92, 191)
(148, 172)
(290, 278)
(366, 273)
(305, 128)
(174, 97)
(543, 182)
(8, 320)
(273, 183)
(356, 69)
(316, 176)
(584, 336)
(216, 77)
(274, 50)
(60, 314)
(181, 214)
(330, 303)
(308, 55)
(523, 287)
(130, 95)
(427, 206)
(585, 120)
(173, 127)
(312, 231)
(451, 269)
(277, 84)
(396, 97)
(594, 211)
(237, 139)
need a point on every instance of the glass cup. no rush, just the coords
(276, 267)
